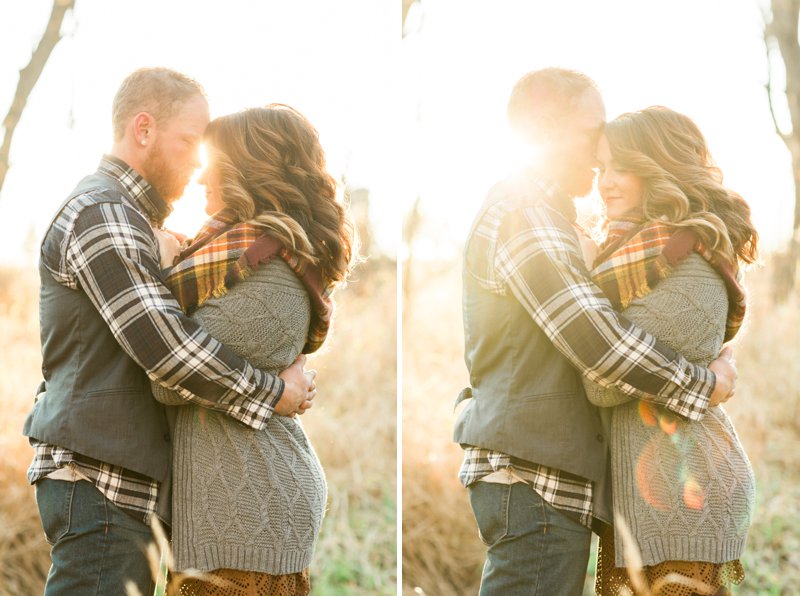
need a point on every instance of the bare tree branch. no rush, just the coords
(406, 5)
(781, 34)
(769, 93)
(28, 77)
(410, 230)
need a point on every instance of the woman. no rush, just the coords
(247, 505)
(670, 261)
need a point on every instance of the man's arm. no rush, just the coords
(109, 255)
(538, 260)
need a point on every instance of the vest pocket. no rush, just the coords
(546, 396)
(118, 392)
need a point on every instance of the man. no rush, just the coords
(534, 447)
(101, 442)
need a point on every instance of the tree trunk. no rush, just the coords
(28, 77)
(781, 28)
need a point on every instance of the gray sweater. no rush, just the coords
(245, 499)
(686, 489)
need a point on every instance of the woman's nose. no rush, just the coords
(604, 180)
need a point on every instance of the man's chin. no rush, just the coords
(171, 195)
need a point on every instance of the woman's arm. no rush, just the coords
(168, 397)
(686, 311)
(604, 398)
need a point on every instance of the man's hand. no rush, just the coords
(299, 389)
(724, 367)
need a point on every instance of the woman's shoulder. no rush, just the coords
(692, 285)
(276, 274)
(695, 267)
(264, 317)
(272, 286)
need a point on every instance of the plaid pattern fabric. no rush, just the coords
(631, 261)
(566, 492)
(533, 253)
(108, 250)
(133, 493)
(226, 251)
(151, 204)
(638, 254)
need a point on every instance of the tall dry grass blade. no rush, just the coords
(633, 558)
(162, 541)
(153, 554)
(162, 565)
(131, 589)
(351, 426)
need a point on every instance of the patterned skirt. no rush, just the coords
(247, 583)
(718, 577)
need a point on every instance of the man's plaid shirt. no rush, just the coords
(109, 252)
(528, 254)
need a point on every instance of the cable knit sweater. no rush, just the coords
(245, 499)
(686, 489)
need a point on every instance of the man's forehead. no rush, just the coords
(591, 109)
(192, 115)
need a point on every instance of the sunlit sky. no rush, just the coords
(706, 59)
(422, 117)
(334, 61)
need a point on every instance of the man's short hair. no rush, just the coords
(542, 98)
(158, 91)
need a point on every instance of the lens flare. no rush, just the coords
(648, 413)
(668, 424)
(693, 495)
(650, 479)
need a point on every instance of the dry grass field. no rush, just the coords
(442, 555)
(352, 427)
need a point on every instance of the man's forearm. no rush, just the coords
(543, 269)
(120, 275)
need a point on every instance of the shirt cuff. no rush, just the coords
(694, 393)
(256, 411)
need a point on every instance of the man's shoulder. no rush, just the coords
(518, 202)
(97, 196)
(521, 191)
(88, 207)
(95, 189)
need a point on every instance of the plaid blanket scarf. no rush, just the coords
(638, 254)
(224, 252)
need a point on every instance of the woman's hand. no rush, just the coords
(588, 246)
(299, 389)
(724, 367)
(169, 246)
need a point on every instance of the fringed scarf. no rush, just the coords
(638, 254)
(225, 252)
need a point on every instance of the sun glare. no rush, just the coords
(189, 211)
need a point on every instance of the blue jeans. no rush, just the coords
(533, 548)
(96, 547)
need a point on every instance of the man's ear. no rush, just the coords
(541, 130)
(548, 129)
(144, 128)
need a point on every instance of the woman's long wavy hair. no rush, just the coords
(272, 173)
(682, 185)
